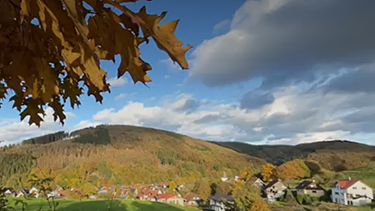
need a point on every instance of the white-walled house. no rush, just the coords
(217, 202)
(351, 192)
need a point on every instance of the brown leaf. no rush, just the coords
(71, 91)
(164, 36)
(49, 80)
(127, 1)
(3, 91)
(32, 110)
(75, 10)
(58, 109)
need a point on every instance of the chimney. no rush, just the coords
(313, 180)
(350, 178)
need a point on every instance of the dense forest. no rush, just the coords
(332, 155)
(105, 155)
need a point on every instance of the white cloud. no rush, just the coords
(14, 131)
(293, 117)
(120, 96)
(222, 26)
(116, 82)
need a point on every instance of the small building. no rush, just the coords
(310, 188)
(274, 190)
(22, 193)
(34, 192)
(163, 185)
(10, 192)
(192, 199)
(352, 192)
(170, 199)
(257, 182)
(220, 202)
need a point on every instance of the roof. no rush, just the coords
(252, 180)
(309, 185)
(272, 183)
(190, 196)
(219, 197)
(165, 195)
(345, 184)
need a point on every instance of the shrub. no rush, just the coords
(300, 198)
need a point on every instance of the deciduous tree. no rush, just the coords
(50, 51)
(202, 188)
(259, 205)
(268, 171)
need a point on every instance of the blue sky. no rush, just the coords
(262, 72)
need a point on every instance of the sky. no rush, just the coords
(261, 72)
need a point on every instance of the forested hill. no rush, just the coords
(330, 154)
(121, 154)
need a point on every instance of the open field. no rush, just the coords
(98, 205)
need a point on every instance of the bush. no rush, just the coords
(307, 200)
(300, 198)
(314, 199)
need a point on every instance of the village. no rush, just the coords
(344, 192)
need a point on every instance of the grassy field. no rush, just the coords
(98, 205)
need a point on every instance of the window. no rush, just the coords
(354, 188)
(314, 191)
(337, 193)
(363, 188)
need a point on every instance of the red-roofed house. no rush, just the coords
(163, 185)
(351, 192)
(170, 198)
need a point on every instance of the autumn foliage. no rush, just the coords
(259, 205)
(294, 169)
(50, 51)
(268, 172)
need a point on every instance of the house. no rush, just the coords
(34, 192)
(257, 182)
(163, 185)
(10, 192)
(351, 192)
(274, 190)
(170, 199)
(220, 202)
(310, 188)
(23, 192)
(192, 199)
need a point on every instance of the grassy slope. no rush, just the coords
(98, 205)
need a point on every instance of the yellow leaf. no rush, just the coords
(24, 9)
(69, 56)
(75, 9)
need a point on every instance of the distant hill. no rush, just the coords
(121, 154)
(332, 155)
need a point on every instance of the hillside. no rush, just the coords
(120, 155)
(332, 155)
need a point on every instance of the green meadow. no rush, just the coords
(97, 205)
